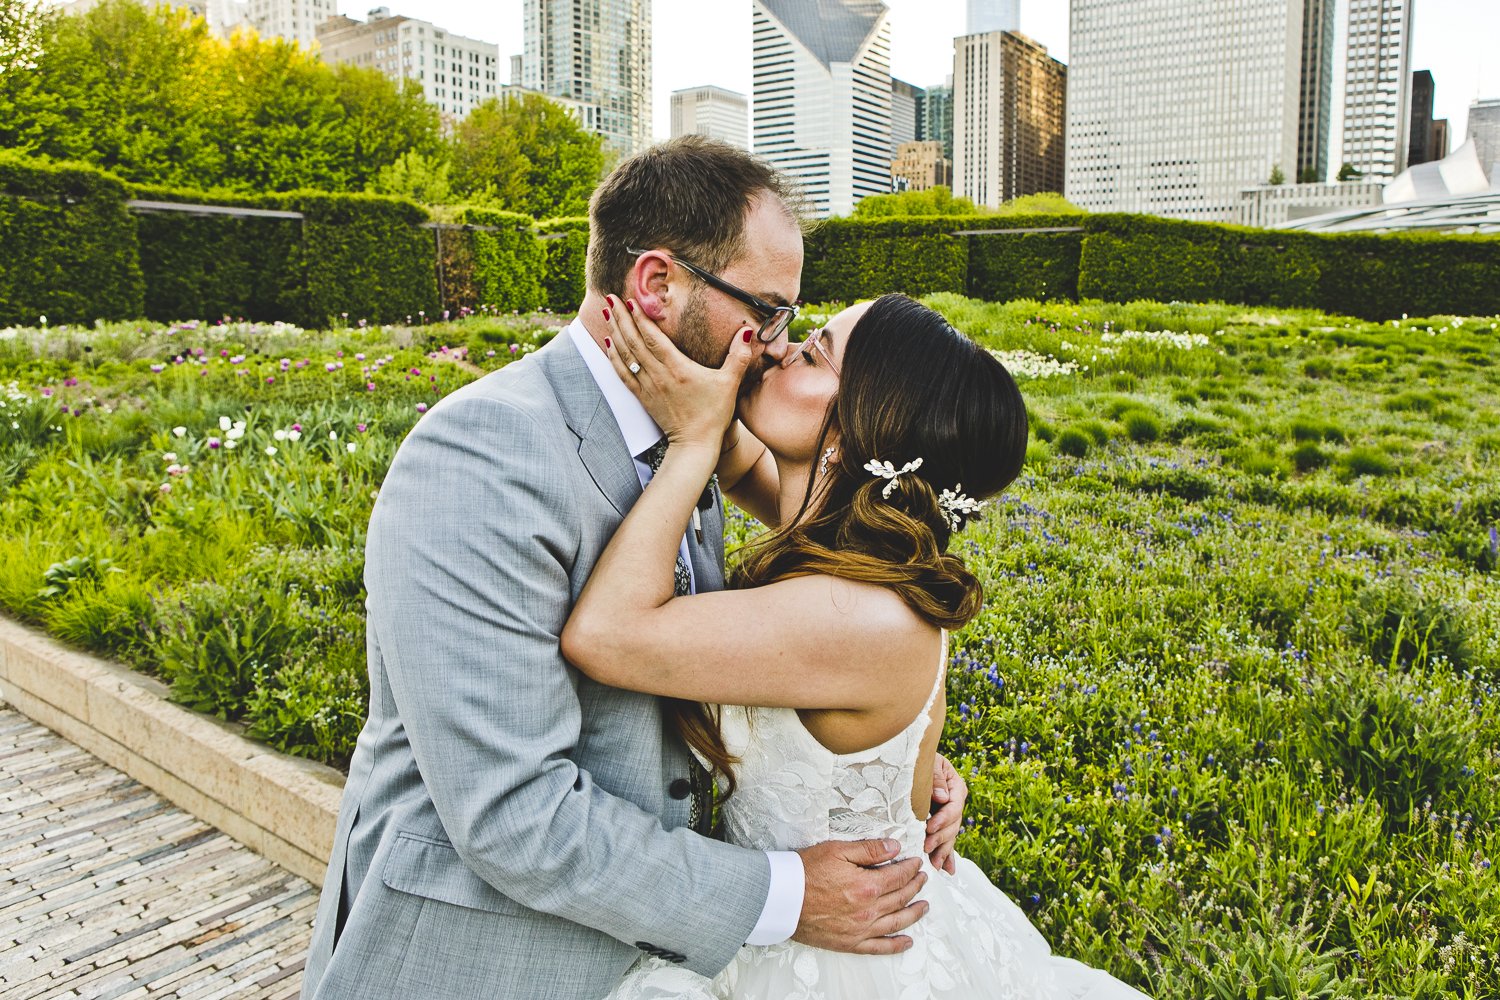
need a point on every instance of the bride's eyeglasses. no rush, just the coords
(814, 342)
(774, 319)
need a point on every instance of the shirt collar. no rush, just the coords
(637, 427)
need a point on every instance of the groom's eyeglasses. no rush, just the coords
(774, 319)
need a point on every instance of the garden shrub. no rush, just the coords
(67, 244)
(1307, 456)
(1365, 461)
(565, 243)
(849, 259)
(1141, 425)
(1004, 267)
(1075, 442)
(508, 260)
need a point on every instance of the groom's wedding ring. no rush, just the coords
(635, 367)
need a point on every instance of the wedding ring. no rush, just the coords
(635, 367)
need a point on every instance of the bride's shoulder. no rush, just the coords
(865, 615)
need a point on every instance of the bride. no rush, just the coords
(873, 444)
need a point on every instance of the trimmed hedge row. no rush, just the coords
(67, 245)
(1121, 258)
(70, 249)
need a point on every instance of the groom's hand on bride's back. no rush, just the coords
(849, 905)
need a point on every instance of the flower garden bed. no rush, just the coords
(1229, 715)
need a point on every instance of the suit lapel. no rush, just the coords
(708, 558)
(600, 445)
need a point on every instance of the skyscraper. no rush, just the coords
(1173, 108)
(935, 117)
(294, 20)
(1484, 132)
(984, 16)
(822, 100)
(1377, 87)
(1009, 118)
(1315, 116)
(598, 53)
(714, 112)
(1429, 136)
(906, 101)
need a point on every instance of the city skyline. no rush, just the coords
(1450, 39)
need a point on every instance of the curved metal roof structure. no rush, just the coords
(1474, 213)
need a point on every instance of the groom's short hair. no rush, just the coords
(689, 194)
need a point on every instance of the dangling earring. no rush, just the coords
(827, 457)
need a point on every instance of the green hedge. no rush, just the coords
(1024, 265)
(848, 259)
(207, 266)
(508, 260)
(67, 244)
(566, 244)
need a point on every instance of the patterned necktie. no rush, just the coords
(700, 809)
(682, 582)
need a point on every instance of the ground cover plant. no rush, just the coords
(1229, 717)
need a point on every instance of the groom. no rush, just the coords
(509, 827)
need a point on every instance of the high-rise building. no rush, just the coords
(1009, 118)
(935, 117)
(597, 53)
(516, 73)
(1429, 135)
(221, 16)
(985, 16)
(295, 20)
(1377, 87)
(919, 166)
(822, 100)
(714, 112)
(1315, 114)
(1484, 132)
(456, 73)
(1173, 108)
(905, 102)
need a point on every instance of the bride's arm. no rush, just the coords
(748, 475)
(811, 642)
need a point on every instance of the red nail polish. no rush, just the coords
(629, 306)
(607, 344)
(747, 335)
(606, 314)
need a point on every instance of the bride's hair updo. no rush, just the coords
(910, 386)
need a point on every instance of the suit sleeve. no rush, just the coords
(468, 565)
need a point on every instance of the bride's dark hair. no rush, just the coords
(910, 386)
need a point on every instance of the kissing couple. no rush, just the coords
(565, 695)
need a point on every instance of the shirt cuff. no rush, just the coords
(778, 921)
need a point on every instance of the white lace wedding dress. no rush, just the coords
(792, 793)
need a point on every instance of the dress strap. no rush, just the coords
(942, 674)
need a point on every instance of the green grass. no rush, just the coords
(1229, 716)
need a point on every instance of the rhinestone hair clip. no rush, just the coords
(885, 470)
(956, 506)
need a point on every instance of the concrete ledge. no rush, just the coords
(281, 807)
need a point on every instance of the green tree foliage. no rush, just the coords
(421, 178)
(23, 25)
(1278, 177)
(941, 201)
(1309, 175)
(1045, 203)
(151, 96)
(1348, 172)
(934, 201)
(526, 154)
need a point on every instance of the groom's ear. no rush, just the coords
(653, 288)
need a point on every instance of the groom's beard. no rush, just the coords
(697, 341)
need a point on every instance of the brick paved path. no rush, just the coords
(109, 891)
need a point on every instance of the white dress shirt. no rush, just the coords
(778, 919)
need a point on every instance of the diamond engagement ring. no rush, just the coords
(635, 367)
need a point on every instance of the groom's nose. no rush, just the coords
(778, 349)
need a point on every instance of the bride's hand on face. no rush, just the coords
(692, 404)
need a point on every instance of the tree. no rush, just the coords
(421, 178)
(152, 96)
(1309, 175)
(1277, 177)
(1348, 173)
(1043, 203)
(526, 154)
(23, 26)
(933, 201)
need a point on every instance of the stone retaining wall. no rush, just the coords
(281, 807)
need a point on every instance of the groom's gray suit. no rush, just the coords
(511, 828)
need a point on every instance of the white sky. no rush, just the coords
(700, 42)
